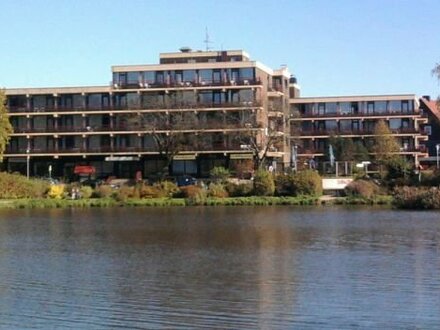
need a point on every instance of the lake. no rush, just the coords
(219, 267)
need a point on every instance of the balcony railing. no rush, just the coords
(389, 113)
(194, 126)
(122, 149)
(310, 151)
(326, 132)
(185, 84)
(155, 106)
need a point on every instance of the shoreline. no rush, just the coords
(182, 202)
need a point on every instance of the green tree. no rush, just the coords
(5, 125)
(385, 144)
(264, 184)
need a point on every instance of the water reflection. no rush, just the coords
(247, 267)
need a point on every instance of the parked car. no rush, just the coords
(185, 180)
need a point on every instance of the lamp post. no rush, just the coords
(437, 148)
(28, 158)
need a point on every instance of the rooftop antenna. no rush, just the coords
(207, 41)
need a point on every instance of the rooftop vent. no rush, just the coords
(185, 49)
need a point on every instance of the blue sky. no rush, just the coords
(339, 47)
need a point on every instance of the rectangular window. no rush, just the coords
(149, 77)
(380, 107)
(133, 78)
(370, 108)
(247, 73)
(345, 108)
(321, 109)
(331, 108)
(189, 76)
(205, 76)
(405, 107)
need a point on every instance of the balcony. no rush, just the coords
(325, 132)
(361, 114)
(185, 84)
(207, 148)
(138, 107)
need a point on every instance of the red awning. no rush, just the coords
(82, 169)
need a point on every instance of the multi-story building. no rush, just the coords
(222, 109)
(195, 110)
(355, 117)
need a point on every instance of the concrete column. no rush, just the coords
(28, 102)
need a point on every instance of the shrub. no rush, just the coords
(307, 182)
(18, 186)
(146, 191)
(166, 189)
(103, 191)
(417, 198)
(362, 188)
(283, 185)
(86, 192)
(263, 183)
(240, 189)
(219, 174)
(124, 193)
(56, 191)
(195, 195)
(217, 190)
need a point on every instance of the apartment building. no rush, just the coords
(224, 108)
(355, 117)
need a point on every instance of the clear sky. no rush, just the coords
(334, 47)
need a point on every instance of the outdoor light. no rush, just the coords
(27, 162)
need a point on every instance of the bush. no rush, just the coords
(195, 195)
(103, 191)
(263, 183)
(240, 189)
(283, 185)
(362, 188)
(146, 191)
(417, 198)
(124, 193)
(18, 186)
(398, 171)
(166, 189)
(307, 182)
(217, 190)
(56, 191)
(85, 192)
(219, 174)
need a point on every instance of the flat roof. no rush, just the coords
(57, 90)
(201, 53)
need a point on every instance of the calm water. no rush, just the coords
(234, 268)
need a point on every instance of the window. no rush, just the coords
(149, 77)
(405, 107)
(247, 73)
(370, 107)
(395, 106)
(380, 107)
(132, 78)
(331, 108)
(321, 109)
(205, 76)
(189, 75)
(345, 108)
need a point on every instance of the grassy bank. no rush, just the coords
(156, 202)
(211, 201)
